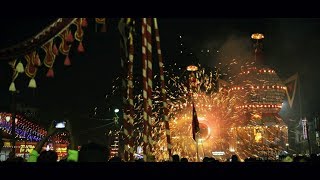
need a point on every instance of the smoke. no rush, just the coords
(235, 47)
(234, 52)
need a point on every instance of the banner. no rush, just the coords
(24, 147)
(291, 84)
(195, 123)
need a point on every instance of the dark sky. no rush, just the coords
(290, 45)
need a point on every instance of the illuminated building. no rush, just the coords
(27, 135)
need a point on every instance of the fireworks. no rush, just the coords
(238, 116)
(214, 110)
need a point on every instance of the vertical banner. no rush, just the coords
(291, 84)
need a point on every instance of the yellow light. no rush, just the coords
(192, 68)
(257, 36)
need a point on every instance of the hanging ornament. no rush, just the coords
(78, 35)
(80, 47)
(50, 73)
(69, 37)
(37, 60)
(20, 68)
(12, 87)
(49, 57)
(32, 83)
(67, 61)
(65, 45)
(55, 50)
(31, 68)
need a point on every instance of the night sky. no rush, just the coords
(290, 46)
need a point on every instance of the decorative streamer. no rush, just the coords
(65, 45)
(60, 28)
(31, 68)
(50, 57)
(15, 73)
(79, 33)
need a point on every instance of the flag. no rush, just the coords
(195, 123)
(291, 86)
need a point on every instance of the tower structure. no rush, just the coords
(260, 94)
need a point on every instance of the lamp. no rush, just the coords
(192, 68)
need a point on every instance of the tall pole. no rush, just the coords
(300, 109)
(193, 68)
(149, 80)
(130, 96)
(163, 89)
(145, 89)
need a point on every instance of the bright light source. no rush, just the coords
(8, 118)
(218, 153)
(257, 36)
(287, 144)
(192, 68)
(116, 110)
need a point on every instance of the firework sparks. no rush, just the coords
(222, 113)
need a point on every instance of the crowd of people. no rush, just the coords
(93, 152)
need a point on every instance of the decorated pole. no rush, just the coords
(145, 88)
(149, 72)
(130, 93)
(163, 89)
